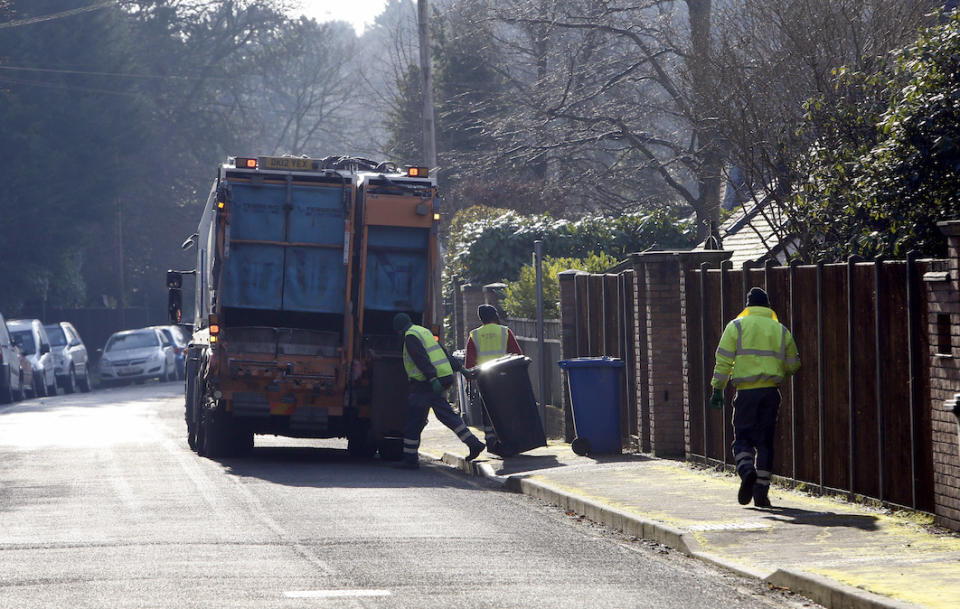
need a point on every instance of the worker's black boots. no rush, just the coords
(476, 447)
(760, 498)
(747, 481)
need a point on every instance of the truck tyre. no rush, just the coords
(6, 395)
(39, 386)
(242, 444)
(216, 437)
(391, 449)
(361, 444)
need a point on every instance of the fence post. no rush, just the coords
(912, 347)
(541, 376)
(793, 385)
(568, 340)
(705, 404)
(821, 375)
(851, 377)
(725, 266)
(879, 344)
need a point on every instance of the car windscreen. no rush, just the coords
(135, 340)
(57, 336)
(24, 340)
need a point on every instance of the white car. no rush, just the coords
(11, 375)
(136, 355)
(31, 337)
(70, 357)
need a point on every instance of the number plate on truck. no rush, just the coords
(287, 163)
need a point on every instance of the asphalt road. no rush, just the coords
(103, 505)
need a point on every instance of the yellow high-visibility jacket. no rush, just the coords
(434, 351)
(755, 351)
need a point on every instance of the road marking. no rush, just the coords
(335, 593)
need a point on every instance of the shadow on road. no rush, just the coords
(330, 467)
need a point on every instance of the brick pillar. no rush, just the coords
(492, 295)
(660, 274)
(943, 297)
(691, 335)
(472, 298)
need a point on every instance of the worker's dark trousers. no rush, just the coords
(754, 423)
(418, 407)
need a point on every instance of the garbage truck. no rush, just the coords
(301, 264)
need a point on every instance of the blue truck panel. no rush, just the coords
(273, 276)
(396, 269)
(257, 212)
(317, 216)
(314, 280)
(254, 276)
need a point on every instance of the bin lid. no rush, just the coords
(506, 361)
(591, 362)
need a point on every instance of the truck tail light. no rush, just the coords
(214, 329)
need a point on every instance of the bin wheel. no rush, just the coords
(580, 446)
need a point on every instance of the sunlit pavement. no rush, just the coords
(837, 553)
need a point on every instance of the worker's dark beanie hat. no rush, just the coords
(401, 321)
(756, 297)
(487, 313)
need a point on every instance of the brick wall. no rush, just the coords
(943, 292)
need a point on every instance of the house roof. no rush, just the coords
(752, 232)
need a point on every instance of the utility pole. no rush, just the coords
(426, 86)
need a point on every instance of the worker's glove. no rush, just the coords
(716, 401)
(470, 373)
(436, 386)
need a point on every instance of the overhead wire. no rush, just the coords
(60, 15)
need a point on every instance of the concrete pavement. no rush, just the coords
(839, 554)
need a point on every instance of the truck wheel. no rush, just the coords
(216, 437)
(391, 449)
(361, 444)
(39, 387)
(242, 444)
(6, 395)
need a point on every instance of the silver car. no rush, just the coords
(136, 355)
(31, 337)
(70, 357)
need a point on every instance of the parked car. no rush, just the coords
(70, 357)
(30, 380)
(136, 355)
(179, 339)
(11, 378)
(31, 337)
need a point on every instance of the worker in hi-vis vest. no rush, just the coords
(756, 353)
(430, 372)
(488, 342)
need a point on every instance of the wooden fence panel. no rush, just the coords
(595, 321)
(583, 314)
(895, 463)
(611, 315)
(805, 383)
(695, 306)
(863, 381)
(835, 378)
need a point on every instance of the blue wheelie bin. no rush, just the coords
(595, 398)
